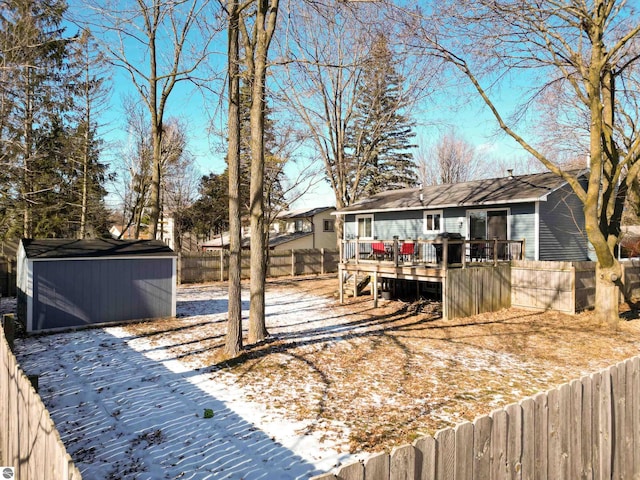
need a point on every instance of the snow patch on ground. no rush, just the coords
(128, 407)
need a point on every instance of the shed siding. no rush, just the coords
(71, 293)
(562, 234)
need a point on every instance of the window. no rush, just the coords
(328, 225)
(433, 221)
(298, 226)
(365, 226)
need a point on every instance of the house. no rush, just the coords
(68, 283)
(301, 229)
(304, 228)
(539, 209)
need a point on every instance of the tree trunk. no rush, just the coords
(265, 20)
(608, 282)
(257, 324)
(154, 194)
(233, 340)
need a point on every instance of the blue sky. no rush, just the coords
(473, 121)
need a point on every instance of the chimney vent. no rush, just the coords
(510, 172)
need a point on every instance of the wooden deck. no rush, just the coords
(457, 265)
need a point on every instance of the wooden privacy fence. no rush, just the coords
(565, 286)
(214, 266)
(474, 290)
(589, 429)
(7, 277)
(29, 441)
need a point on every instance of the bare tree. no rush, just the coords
(450, 160)
(326, 51)
(233, 338)
(257, 26)
(586, 55)
(159, 44)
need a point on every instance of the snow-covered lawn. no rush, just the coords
(126, 407)
(333, 383)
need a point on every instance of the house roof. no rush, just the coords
(303, 212)
(512, 189)
(58, 248)
(276, 239)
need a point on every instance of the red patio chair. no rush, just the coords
(407, 251)
(378, 250)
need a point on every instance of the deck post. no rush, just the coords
(495, 252)
(523, 248)
(445, 253)
(463, 247)
(341, 279)
(355, 284)
(395, 250)
(357, 254)
(374, 289)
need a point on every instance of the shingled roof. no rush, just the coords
(512, 189)
(99, 247)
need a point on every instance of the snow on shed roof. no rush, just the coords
(92, 248)
(512, 189)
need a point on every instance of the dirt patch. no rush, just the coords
(382, 377)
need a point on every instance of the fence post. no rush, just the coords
(322, 261)
(495, 252)
(179, 268)
(8, 323)
(222, 264)
(293, 262)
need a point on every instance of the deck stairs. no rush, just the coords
(348, 284)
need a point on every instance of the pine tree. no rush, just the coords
(381, 134)
(33, 102)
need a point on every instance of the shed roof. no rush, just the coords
(58, 248)
(512, 189)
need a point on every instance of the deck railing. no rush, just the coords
(442, 253)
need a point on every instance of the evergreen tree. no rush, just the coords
(273, 174)
(33, 54)
(382, 132)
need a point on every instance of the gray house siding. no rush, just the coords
(72, 293)
(523, 226)
(562, 234)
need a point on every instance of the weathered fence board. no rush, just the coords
(588, 428)
(29, 441)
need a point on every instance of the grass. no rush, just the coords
(377, 378)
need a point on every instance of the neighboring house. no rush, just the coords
(68, 283)
(215, 244)
(166, 228)
(540, 209)
(304, 228)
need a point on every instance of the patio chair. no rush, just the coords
(378, 250)
(408, 251)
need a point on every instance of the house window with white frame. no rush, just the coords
(365, 226)
(432, 221)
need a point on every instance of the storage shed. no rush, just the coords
(67, 283)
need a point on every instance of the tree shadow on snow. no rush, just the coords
(122, 415)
